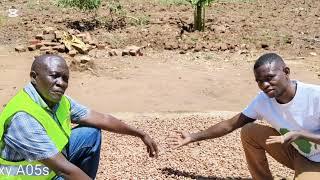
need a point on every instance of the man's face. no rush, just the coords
(272, 79)
(51, 81)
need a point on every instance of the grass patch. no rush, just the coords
(139, 20)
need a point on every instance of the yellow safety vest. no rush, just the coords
(59, 134)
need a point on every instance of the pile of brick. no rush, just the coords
(52, 41)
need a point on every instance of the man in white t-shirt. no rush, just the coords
(293, 110)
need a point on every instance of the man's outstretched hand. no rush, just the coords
(151, 146)
(287, 138)
(181, 139)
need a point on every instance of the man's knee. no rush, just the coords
(86, 135)
(248, 129)
(93, 133)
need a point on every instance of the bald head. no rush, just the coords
(50, 75)
(43, 61)
(269, 58)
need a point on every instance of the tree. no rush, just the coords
(199, 13)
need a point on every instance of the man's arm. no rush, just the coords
(62, 167)
(217, 130)
(112, 124)
(26, 136)
(291, 136)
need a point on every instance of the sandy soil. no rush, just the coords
(162, 93)
(173, 86)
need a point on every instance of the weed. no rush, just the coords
(138, 20)
(115, 41)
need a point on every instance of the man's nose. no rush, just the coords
(265, 84)
(61, 83)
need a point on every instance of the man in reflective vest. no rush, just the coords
(36, 139)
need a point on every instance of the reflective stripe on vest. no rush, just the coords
(58, 134)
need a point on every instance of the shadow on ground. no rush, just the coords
(178, 173)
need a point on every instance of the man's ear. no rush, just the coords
(33, 76)
(286, 70)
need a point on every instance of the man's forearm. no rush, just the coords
(62, 167)
(115, 125)
(310, 137)
(221, 129)
(215, 131)
(110, 123)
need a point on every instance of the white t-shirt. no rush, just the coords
(302, 113)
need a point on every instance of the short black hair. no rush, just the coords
(267, 59)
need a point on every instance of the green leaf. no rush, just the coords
(81, 4)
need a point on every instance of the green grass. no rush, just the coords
(138, 20)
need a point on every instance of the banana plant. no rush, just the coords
(199, 13)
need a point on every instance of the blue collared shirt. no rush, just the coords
(26, 139)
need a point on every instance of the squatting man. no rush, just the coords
(291, 107)
(36, 138)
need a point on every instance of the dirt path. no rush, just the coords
(157, 81)
(181, 92)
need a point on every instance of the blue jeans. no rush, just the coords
(84, 149)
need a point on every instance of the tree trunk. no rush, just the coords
(199, 17)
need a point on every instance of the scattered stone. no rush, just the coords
(134, 50)
(313, 54)
(73, 53)
(198, 48)
(39, 45)
(82, 36)
(49, 37)
(58, 35)
(93, 43)
(48, 43)
(244, 46)
(34, 41)
(81, 50)
(84, 59)
(60, 48)
(171, 45)
(49, 30)
(125, 52)
(72, 32)
(32, 47)
(40, 37)
(88, 38)
(114, 52)
(100, 54)
(264, 46)
(223, 47)
(20, 48)
(231, 46)
(45, 48)
(97, 53)
(101, 46)
(218, 29)
(244, 52)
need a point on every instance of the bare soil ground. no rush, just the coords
(173, 86)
